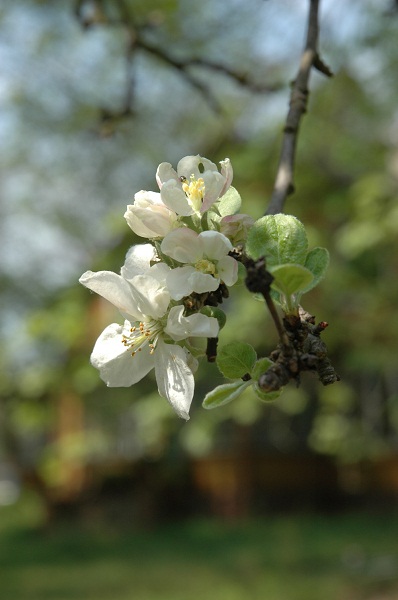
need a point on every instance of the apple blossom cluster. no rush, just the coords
(190, 227)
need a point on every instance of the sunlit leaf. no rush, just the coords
(224, 393)
(290, 279)
(280, 238)
(236, 359)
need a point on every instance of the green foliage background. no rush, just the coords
(73, 162)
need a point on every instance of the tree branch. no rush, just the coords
(284, 181)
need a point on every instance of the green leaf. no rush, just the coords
(266, 396)
(280, 238)
(291, 279)
(217, 313)
(236, 359)
(317, 262)
(230, 203)
(223, 394)
(260, 367)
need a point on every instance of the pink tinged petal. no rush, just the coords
(174, 378)
(197, 325)
(165, 172)
(175, 199)
(189, 165)
(178, 282)
(151, 297)
(215, 244)
(227, 172)
(138, 260)
(183, 245)
(145, 198)
(150, 222)
(227, 269)
(203, 282)
(114, 361)
(214, 183)
(113, 288)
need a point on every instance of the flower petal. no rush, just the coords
(114, 361)
(138, 260)
(150, 222)
(178, 282)
(113, 288)
(175, 199)
(227, 172)
(165, 172)
(203, 282)
(197, 325)
(215, 244)
(214, 183)
(151, 297)
(227, 269)
(189, 165)
(183, 245)
(174, 378)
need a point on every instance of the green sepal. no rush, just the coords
(217, 313)
(223, 394)
(229, 203)
(290, 279)
(236, 359)
(317, 262)
(280, 238)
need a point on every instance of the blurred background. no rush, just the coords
(105, 493)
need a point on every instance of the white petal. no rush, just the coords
(165, 172)
(197, 325)
(145, 198)
(159, 271)
(151, 297)
(189, 165)
(113, 288)
(214, 183)
(174, 378)
(175, 199)
(227, 269)
(203, 282)
(215, 244)
(178, 282)
(227, 172)
(138, 260)
(114, 361)
(183, 245)
(150, 222)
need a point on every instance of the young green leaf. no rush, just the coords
(280, 238)
(223, 394)
(236, 359)
(266, 396)
(260, 367)
(317, 262)
(290, 279)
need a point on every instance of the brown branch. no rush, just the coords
(284, 181)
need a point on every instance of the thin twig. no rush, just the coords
(284, 182)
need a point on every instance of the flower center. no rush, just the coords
(141, 335)
(206, 266)
(194, 190)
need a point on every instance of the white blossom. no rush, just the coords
(194, 186)
(148, 217)
(124, 354)
(205, 258)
